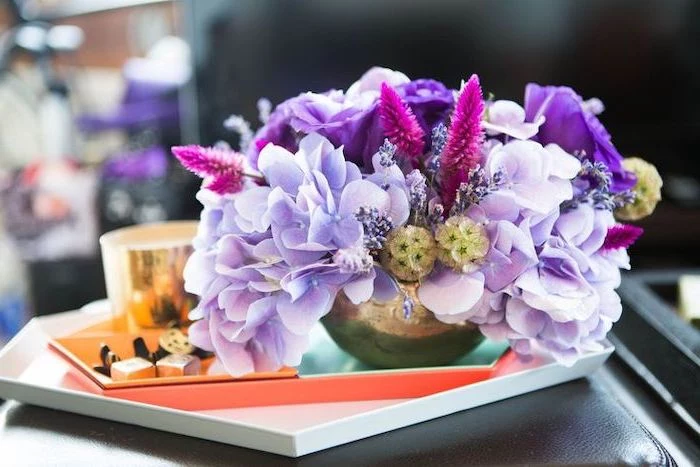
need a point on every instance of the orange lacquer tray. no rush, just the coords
(219, 391)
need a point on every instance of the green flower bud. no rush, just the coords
(462, 243)
(409, 252)
(647, 190)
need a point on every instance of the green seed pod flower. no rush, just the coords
(409, 253)
(647, 190)
(462, 243)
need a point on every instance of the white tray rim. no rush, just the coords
(291, 443)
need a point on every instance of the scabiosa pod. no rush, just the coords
(462, 243)
(647, 190)
(621, 236)
(409, 252)
(222, 169)
(462, 149)
(399, 123)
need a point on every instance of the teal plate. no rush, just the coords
(325, 358)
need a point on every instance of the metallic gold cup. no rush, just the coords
(143, 268)
(378, 334)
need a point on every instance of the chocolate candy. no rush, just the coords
(174, 341)
(178, 365)
(107, 357)
(132, 368)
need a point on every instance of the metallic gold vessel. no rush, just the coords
(378, 333)
(144, 273)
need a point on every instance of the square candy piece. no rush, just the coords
(132, 368)
(178, 365)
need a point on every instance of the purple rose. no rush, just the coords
(430, 100)
(346, 119)
(570, 124)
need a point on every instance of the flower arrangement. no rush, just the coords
(504, 215)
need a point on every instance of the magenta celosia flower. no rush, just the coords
(464, 138)
(621, 236)
(221, 168)
(400, 124)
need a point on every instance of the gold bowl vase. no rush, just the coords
(378, 334)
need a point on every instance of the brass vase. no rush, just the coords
(378, 334)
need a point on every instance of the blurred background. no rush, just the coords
(93, 93)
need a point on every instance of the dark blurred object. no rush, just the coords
(657, 344)
(58, 286)
(640, 57)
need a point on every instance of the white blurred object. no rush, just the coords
(56, 121)
(167, 61)
(65, 38)
(78, 190)
(20, 135)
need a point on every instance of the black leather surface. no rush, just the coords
(577, 422)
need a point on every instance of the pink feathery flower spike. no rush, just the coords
(462, 150)
(221, 168)
(621, 236)
(400, 124)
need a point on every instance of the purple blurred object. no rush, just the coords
(144, 164)
(150, 99)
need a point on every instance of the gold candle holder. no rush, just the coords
(144, 273)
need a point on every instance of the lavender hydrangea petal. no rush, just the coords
(385, 286)
(363, 193)
(446, 292)
(508, 118)
(361, 289)
(300, 315)
(510, 253)
(279, 168)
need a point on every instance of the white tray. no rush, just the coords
(291, 430)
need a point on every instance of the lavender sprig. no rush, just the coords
(436, 216)
(438, 139)
(264, 110)
(376, 226)
(593, 182)
(407, 306)
(387, 154)
(417, 190)
(240, 125)
(476, 189)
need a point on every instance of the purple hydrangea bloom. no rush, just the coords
(565, 303)
(570, 124)
(269, 261)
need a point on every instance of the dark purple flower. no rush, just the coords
(351, 119)
(572, 126)
(430, 100)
